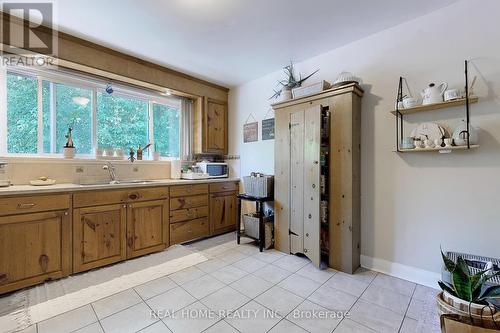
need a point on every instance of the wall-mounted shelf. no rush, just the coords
(440, 149)
(437, 106)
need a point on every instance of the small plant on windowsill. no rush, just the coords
(69, 147)
(467, 296)
(289, 83)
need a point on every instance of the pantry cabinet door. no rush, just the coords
(297, 182)
(98, 236)
(312, 192)
(147, 227)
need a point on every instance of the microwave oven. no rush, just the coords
(214, 169)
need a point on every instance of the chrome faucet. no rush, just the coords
(112, 175)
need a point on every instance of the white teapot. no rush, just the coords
(433, 94)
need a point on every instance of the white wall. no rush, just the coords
(414, 203)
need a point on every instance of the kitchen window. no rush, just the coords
(40, 106)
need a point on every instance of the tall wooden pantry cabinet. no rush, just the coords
(317, 177)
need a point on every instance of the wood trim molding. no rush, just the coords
(92, 57)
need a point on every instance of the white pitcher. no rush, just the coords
(433, 94)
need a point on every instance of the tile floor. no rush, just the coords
(241, 290)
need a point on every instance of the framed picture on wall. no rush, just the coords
(268, 129)
(251, 132)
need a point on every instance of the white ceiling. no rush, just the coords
(232, 41)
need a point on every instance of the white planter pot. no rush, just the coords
(286, 94)
(69, 152)
(156, 156)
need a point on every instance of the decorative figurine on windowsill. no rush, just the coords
(69, 147)
(131, 155)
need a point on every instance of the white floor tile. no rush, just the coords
(364, 275)
(303, 316)
(194, 318)
(422, 293)
(130, 320)
(299, 285)
(115, 303)
(347, 283)
(251, 286)
(272, 273)
(286, 326)
(68, 321)
(279, 300)
(92, 328)
(226, 299)
(155, 287)
(375, 317)
(398, 285)
(172, 300)
(186, 275)
(415, 309)
(231, 256)
(221, 327)
(269, 256)
(211, 265)
(409, 326)
(158, 327)
(291, 263)
(203, 286)
(319, 275)
(349, 326)
(229, 274)
(387, 299)
(249, 264)
(332, 299)
(253, 318)
(249, 249)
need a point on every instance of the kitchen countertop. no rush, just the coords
(69, 187)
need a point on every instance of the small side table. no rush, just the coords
(259, 208)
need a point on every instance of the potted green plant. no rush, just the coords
(289, 83)
(467, 295)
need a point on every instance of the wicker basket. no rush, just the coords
(448, 304)
(251, 225)
(259, 187)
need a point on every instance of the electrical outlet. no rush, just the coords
(135, 169)
(79, 169)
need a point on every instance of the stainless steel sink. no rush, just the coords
(134, 181)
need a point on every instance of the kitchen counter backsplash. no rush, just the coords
(21, 171)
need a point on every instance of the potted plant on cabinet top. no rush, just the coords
(467, 296)
(289, 83)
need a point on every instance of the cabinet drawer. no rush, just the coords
(223, 187)
(95, 198)
(188, 202)
(19, 205)
(185, 231)
(188, 214)
(193, 189)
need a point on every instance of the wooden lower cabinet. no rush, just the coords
(222, 212)
(34, 247)
(189, 230)
(99, 236)
(147, 227)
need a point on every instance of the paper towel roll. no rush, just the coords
(175, 169)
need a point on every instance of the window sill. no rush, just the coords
(77, 160)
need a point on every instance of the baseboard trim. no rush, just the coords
(410, 273)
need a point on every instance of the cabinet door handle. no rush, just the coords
(26, 205)
(130, 242)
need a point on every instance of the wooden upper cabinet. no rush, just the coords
(98, 236)
(34, 247)
(215, 126)
(147, 227)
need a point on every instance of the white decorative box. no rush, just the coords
(311, 89)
